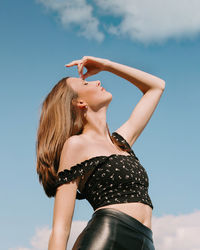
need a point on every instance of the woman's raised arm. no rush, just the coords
(152, 88)
(144, 81)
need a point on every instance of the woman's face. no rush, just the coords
(90, 92)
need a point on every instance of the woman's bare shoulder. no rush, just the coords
(73, 152)
(73, 141)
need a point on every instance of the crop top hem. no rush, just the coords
(133, 200)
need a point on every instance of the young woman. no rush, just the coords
(78, 158)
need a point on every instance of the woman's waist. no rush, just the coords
(137, 210)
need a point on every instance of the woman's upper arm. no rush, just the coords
(140, 115)
(65, 197)
(64, 204)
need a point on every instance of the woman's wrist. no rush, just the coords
(114, 67)
(107, 65)
(139, 78)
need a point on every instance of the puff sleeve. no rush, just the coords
(77, 170)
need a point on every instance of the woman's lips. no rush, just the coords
(102, 88)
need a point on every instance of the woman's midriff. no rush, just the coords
(137, 210)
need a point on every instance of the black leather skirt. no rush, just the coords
(111, 229)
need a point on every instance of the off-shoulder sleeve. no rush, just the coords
(120, 138)
(77, 170)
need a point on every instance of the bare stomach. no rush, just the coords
(137, 210)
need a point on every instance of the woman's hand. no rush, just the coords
(93, 65)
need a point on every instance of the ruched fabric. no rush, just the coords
(115, 178)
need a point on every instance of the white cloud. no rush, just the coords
(76, 229)
(146, 21)
(41, 238)
(78, 13)
(177, 232)
(170, 232)
(39, 241)
(153, 20)
(19, 248)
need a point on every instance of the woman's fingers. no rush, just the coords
(84, 76)
(73, 63)
(80, 69)
(92, 64)
(79, 64)
(90, 73)
(69, 64)
(76, 62)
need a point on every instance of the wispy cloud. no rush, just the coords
(41, 238)
(76, 13)
(39, 241)
(150, 21)
(146, 21)
(170, 232)
(177, 232)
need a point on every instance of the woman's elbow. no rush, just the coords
(162, 84)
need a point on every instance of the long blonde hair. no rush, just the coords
(59, 119)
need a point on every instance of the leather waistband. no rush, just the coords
(125, 218)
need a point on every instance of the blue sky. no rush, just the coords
(37, 41)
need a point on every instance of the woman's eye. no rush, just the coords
(85, 83)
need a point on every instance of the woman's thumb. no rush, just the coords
(87, 74)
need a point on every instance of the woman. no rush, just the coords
(78, 158)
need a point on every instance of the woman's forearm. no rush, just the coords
(144, 81)
(58, 241)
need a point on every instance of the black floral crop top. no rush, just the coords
(114, 179)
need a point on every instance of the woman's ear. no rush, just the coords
(74, 102)
(81, 104)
